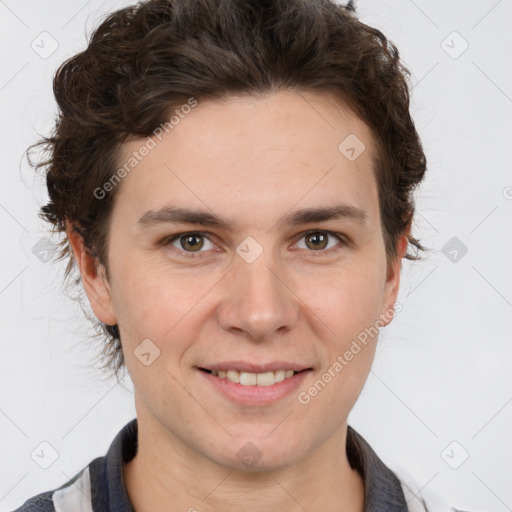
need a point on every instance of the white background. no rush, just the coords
(442, 371)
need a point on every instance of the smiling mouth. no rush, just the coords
(253, 379)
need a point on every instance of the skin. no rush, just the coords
(250, 160)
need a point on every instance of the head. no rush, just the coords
(245, 115)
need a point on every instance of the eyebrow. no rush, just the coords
(170, 214)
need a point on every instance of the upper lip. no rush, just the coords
(251, 367)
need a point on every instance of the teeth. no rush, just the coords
(264, 379)
(254, 379)
(279, 375)
(233, 376)
(248, 379)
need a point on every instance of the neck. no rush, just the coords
(170, 472)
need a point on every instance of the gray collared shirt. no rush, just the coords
(99, 487)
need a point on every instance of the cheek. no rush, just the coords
(156, 304)
(350, 308)
(149, 306)
(348, 301)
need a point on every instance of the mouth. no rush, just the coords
(264, 379)
(254, 385)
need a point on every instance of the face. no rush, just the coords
(252, 286)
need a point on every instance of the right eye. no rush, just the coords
(188, 244)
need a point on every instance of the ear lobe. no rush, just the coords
(93, 277)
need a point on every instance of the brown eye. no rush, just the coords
(189, 245)
(316, 240)
(321, 243)
(191, 242)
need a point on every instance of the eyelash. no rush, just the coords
(198, 255)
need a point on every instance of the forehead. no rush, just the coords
(256, 154)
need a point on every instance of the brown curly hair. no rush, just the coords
(145, 60)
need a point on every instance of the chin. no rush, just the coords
(259, 454)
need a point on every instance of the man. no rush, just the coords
(234, 180)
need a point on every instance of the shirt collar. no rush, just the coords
(383, 491)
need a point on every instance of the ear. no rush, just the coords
(94, 280)
(392, 284)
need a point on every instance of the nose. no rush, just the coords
(257, 301)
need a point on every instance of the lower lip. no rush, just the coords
(256, 395)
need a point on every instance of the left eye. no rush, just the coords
(318, 240)
(190, 244)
